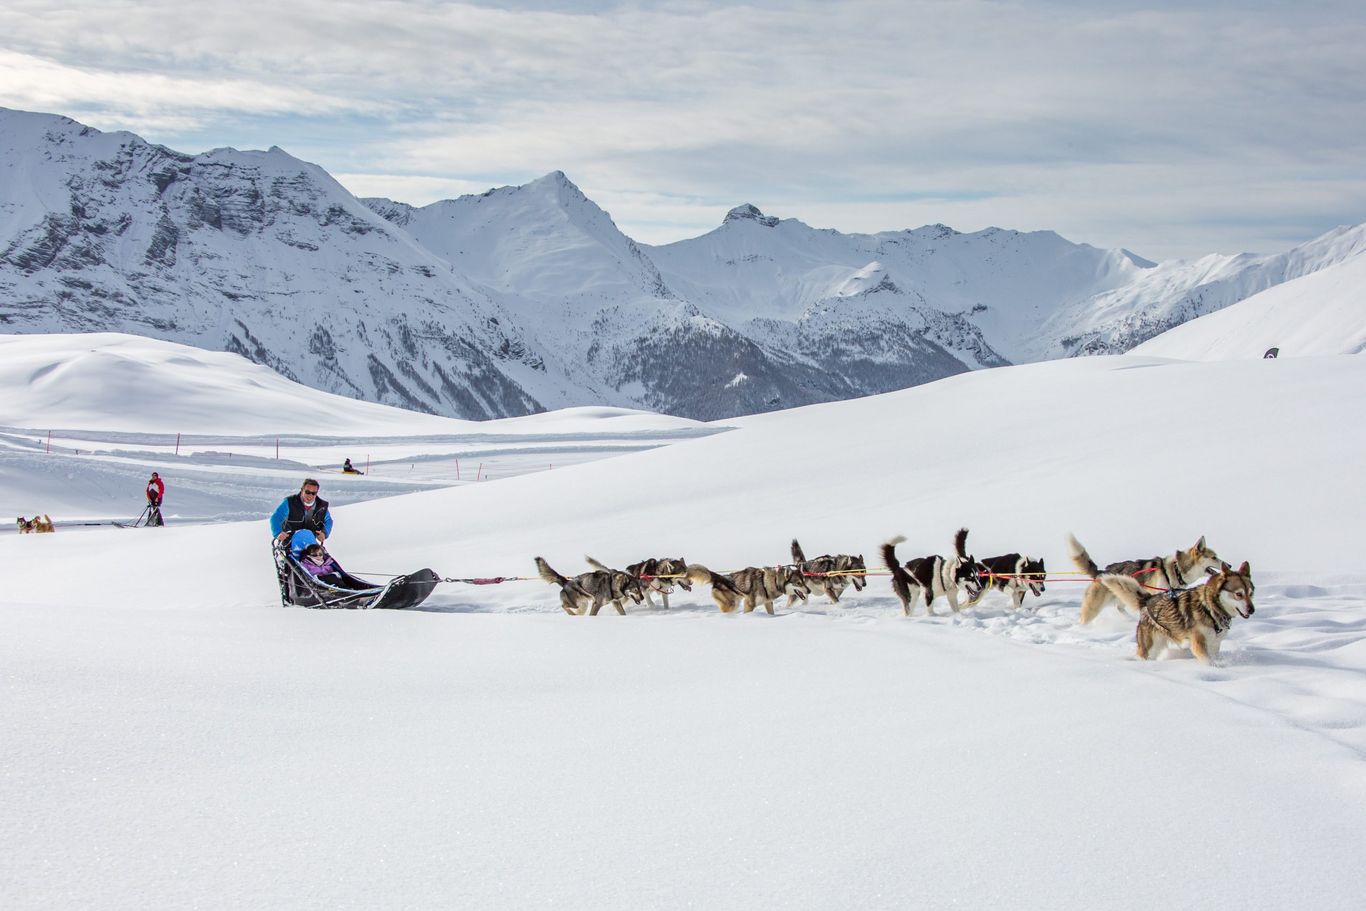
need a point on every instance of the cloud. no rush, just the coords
(1122, 121)
(148, 100)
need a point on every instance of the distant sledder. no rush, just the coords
(348, 468)
(156, 492)
(300, 524)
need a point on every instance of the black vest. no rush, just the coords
(295, 520)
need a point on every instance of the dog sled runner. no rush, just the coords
(300, 588)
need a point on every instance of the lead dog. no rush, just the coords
(1013, 574)
(1180, 570)
(1198, 617)
(847, 568)
(588, 592)
(933, 576)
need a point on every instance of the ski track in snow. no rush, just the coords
(1305, 644)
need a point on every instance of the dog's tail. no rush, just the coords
(548, 574)
(960, 543)
(1080, 558)
(901, 580)
(797, 555)
(1126, 588)
(698, 574)
(596, 565)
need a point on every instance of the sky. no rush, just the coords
(1170, 129)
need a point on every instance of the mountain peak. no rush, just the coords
(556, 179)
(752, 213)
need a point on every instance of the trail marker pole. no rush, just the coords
(277, 449)
(479, 472)
(177, 444)
(367, 463)
(457, 469)
(49, 442)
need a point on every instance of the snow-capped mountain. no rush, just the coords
(1322, 313)
(1174, 293)
(253, 252)
(527, 298)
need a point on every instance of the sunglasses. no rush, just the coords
(312, 490)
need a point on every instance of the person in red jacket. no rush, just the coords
(156, 492)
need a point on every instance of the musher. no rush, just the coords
(303, 511)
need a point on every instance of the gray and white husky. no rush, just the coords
(657, 574)
(933, 576)
(762, 584)
(661, 574)
(588, 592)
(848, 569)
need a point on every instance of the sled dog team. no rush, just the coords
(1172, 609)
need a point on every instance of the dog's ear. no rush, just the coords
(1245, 570)
(1225, 568)
(1200, 545)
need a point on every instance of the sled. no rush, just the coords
(300, 588)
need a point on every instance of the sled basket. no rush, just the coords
(300, 588)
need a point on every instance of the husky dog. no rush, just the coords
(1198, 617)
(847, 567)
(654, 575)
(588, 592)
(1184, 568)
(934, 575)
(723, 590)
(1013, 574)
(760, 585)
(661, 574)
(35, 526)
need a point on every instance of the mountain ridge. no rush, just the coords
(526, 298)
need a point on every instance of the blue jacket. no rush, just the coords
(290, 515)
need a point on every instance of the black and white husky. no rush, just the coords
(1013, 574)
(934, 575)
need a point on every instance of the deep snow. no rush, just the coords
(173, 737)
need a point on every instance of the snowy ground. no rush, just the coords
(171, 737)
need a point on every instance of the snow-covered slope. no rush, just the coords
(114, 382)
(84, 418)
(176, 739)
(1323, 312)
(1177, 292)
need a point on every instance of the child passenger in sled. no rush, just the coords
(317, 562)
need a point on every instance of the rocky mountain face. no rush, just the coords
(527, 298)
